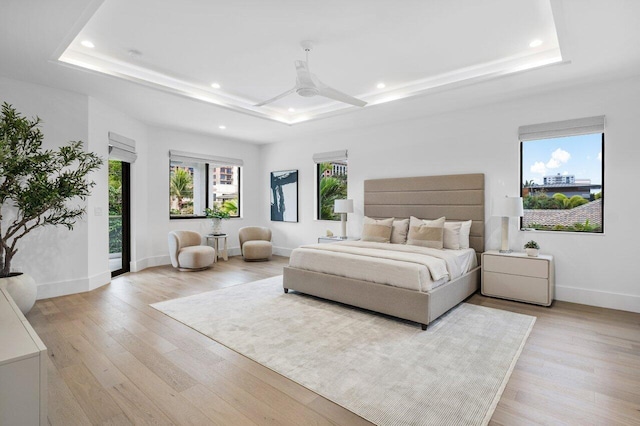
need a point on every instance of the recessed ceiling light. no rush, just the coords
(535, 43)
(381, 85)
(291, 110)
(215, 85)
(222, 127)
(87, 43)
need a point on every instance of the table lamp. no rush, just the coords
(507, 207)
(343, 207)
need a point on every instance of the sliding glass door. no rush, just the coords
(119, 221)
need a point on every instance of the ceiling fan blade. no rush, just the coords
(281, 95)
(336, 95)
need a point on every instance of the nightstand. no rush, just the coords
(517, 276)
(334, 239)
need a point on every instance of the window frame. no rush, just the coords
(602, 186)
(208, 193)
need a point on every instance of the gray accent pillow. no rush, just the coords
(426, 233)
(377, 230)
(399, 231)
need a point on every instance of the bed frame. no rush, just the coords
(458, 197)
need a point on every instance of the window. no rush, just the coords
(331, 172)
(198, 182)
(562, 175)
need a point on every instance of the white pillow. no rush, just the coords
(399, 231)
(451, 239)
(465, 230)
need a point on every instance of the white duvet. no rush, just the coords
(405, 266)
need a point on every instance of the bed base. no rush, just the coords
(411, 305)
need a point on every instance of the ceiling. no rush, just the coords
(432, 55)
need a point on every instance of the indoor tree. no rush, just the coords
(38, 187)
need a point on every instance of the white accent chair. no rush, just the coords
(187, 253)
(255, 243)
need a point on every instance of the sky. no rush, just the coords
(580, 156)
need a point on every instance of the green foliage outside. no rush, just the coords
(38, 187)
(231, 207)
(181, 191)
(115, 234)
(540, 200)
(115, 206)
(331, 188)
(576, 227)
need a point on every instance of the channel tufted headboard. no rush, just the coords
(457, 197)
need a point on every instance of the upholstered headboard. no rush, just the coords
(457, 197)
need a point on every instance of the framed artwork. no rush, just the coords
(284, 196)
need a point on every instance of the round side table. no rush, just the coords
(219, 245)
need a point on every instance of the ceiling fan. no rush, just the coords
(308, 85)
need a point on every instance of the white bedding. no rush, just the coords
(405, 266)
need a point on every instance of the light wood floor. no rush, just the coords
(114, 360)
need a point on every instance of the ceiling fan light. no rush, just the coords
(307, 92)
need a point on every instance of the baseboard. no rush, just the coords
(603, 299)
(150, 262)
(63, 288)
(282, 251)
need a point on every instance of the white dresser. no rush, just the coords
(516, 276)
(23, 368)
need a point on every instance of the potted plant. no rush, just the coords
(37, 188)
(532, 248)
(217, 214)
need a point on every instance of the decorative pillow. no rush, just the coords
(399, 231)
(451, 239)
(465, 230)
(426, 233)
(378, 231)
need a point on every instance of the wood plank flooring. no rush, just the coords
(114, 360)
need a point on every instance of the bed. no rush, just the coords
(457, 197)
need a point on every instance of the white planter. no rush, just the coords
(217, 226)
(532, 252)
(23, 290)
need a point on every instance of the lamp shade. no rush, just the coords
(508, 207)
(343, 206)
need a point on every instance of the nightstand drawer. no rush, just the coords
(528, 267)
(527, 289)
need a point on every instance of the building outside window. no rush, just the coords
(562, 178)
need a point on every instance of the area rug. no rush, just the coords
(386, 370)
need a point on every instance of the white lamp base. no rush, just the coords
(505, 235)
(344, 226)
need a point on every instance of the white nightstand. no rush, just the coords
(335, 239)
(517, 276)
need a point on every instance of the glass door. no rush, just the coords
(119, 240)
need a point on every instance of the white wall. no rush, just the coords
(161, 141)
(592, 269)
(53, 256)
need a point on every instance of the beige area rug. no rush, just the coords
(386, 370)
